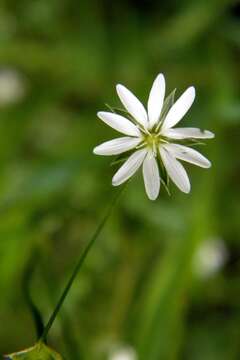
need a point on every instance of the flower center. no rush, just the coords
(152, 141)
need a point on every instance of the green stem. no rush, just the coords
(78, 267)
(27, 277)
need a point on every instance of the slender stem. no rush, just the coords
(78, 267)
(26, 282)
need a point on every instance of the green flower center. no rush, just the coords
(152, 141)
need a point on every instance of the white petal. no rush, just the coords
(129, 168)
(187, 133)
(155, 101)
(133, 105)
(175, 170)
(119, 123)
(188, 154)
(179, 108)
(151, 176)
(116, 146)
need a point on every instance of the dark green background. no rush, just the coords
(137, 286)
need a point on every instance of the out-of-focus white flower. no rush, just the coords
(210, 257)
(124, 353)
(12, 86)
(151, 137)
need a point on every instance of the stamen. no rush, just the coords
(145, 131)
(143, 144)
(159, 125)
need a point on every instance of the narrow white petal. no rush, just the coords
(175, 170)
(129, 168)
(116, 146)
(119, 123)
(155, 101)
(151, 176)
(187, 133)
(188, 154)
(179, 108)
(132, 105)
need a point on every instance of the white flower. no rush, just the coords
(124, 353)
(12, 86)
(151, 134)
(210, 257)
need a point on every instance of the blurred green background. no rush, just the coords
(163, 279)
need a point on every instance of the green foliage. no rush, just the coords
(139, 286)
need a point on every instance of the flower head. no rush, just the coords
(210, 257)
(151, 136)
(13, 86)
(123, 353)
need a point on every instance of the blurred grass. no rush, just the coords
(138, 286)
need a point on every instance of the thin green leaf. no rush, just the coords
(164, 176)
(168, 103)
(121, 158)
(26, 286)
(40, 351)
(118, 161)
(116, 109)
(195, 143)
(110, 108)
(166, 185)
(122, 112)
